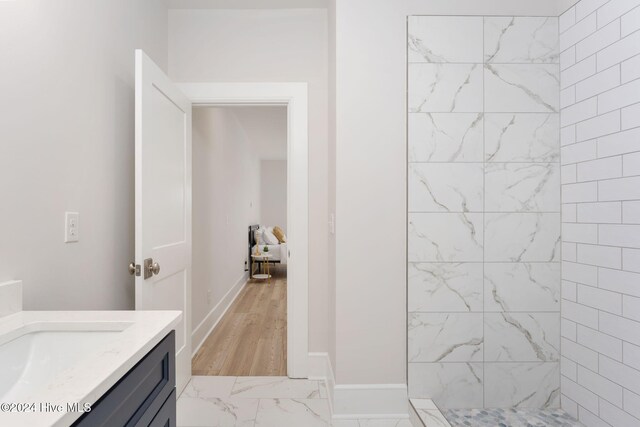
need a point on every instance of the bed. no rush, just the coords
(278, 252)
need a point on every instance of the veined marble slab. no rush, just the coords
(449, 287)
(445, 137)
(522, 385)
(521, 40)
(518, 88)
(293, 412)
(436, 237)
(522, 187)
(521, 237)
(522, 337)
(450, 385)
(521, 287)
(274, 387)
(445, 39)
(445, 187)
(195, 411)
(522, 137)
(445, 88)
(445, 337)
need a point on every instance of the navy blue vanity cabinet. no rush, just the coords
(144, 396)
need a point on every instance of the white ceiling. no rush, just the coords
(266, 129)
(247, 4)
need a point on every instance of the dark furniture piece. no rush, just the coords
(144, 396)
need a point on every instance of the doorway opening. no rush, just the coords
(239, 258)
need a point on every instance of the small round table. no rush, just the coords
(263, 258)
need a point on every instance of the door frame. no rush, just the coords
(294, 97)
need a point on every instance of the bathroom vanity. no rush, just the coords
(85, 368)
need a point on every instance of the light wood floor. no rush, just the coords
(251, 338)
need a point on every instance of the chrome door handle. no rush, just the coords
(155, 268)
(150, 268)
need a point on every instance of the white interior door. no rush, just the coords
(163, 202)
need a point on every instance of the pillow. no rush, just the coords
(269, 239)
(277, 231)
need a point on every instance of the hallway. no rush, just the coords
(251, 337)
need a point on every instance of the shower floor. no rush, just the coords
(510, 418)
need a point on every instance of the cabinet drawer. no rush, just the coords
(140, 393)
(166, 416)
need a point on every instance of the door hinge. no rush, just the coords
(135, 269)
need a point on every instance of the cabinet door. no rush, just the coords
(166, 416)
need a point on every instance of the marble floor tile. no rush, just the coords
(275, 387)
(209, 386)
(372, 423)
(293, 413)
(510, 417)
(216, 412)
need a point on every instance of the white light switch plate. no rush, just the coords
(71, 227)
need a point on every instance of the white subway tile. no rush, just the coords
(631, 307)
(580, 273)
(569, 251)
(619, 51)
(599, 83)
(569, 369)
(569, 291)
(631, 260)
(632, 404)
(580, 233)
(620, 327)
(579, 394)
(631, 115)
(619, 143)
(582, 192)
(619, 189)
(613, 10)
(631, 164)
(569, 212)
(620, 235)
(631, 212)
(579, 112)
(579, 152)
(622, 96)
(588, 419)
(586, 7)
(598, 126)
(620, 373)
(600, 298)
(567, 97)
(578, 32)
(580, 354)
(625, 282)
(609, 167)
(582, 315)
(630, 22)
(598, 40)
(569, 406)
(603, 212)
(630, 69)
(567, 19)
(578, 71)
(631, 355)
(568, 174)
(602, 256)
(602, 343)
(600, 385)
(616, 416)
(568, 58)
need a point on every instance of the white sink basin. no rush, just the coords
(32, 356)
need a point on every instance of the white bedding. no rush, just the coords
(277, 252)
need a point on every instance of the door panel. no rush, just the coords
(163, 201)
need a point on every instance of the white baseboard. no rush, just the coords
(353, 401)
(202, 331)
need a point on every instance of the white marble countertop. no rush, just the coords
(89, 379)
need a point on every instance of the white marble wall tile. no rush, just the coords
(450, 385)
(516, 88)
(445, 337)
(521, 40)
(522, 237)
(445, 39)
(522, 385)
(522, 337)
(442, 187)
(522, 287)
(445, 88)
(448, 287)
(293, 412)
(522, 187)
(445, 137)
(438, 237)
(522, 137)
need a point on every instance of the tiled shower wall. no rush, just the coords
(484, 211)
(600, 137)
